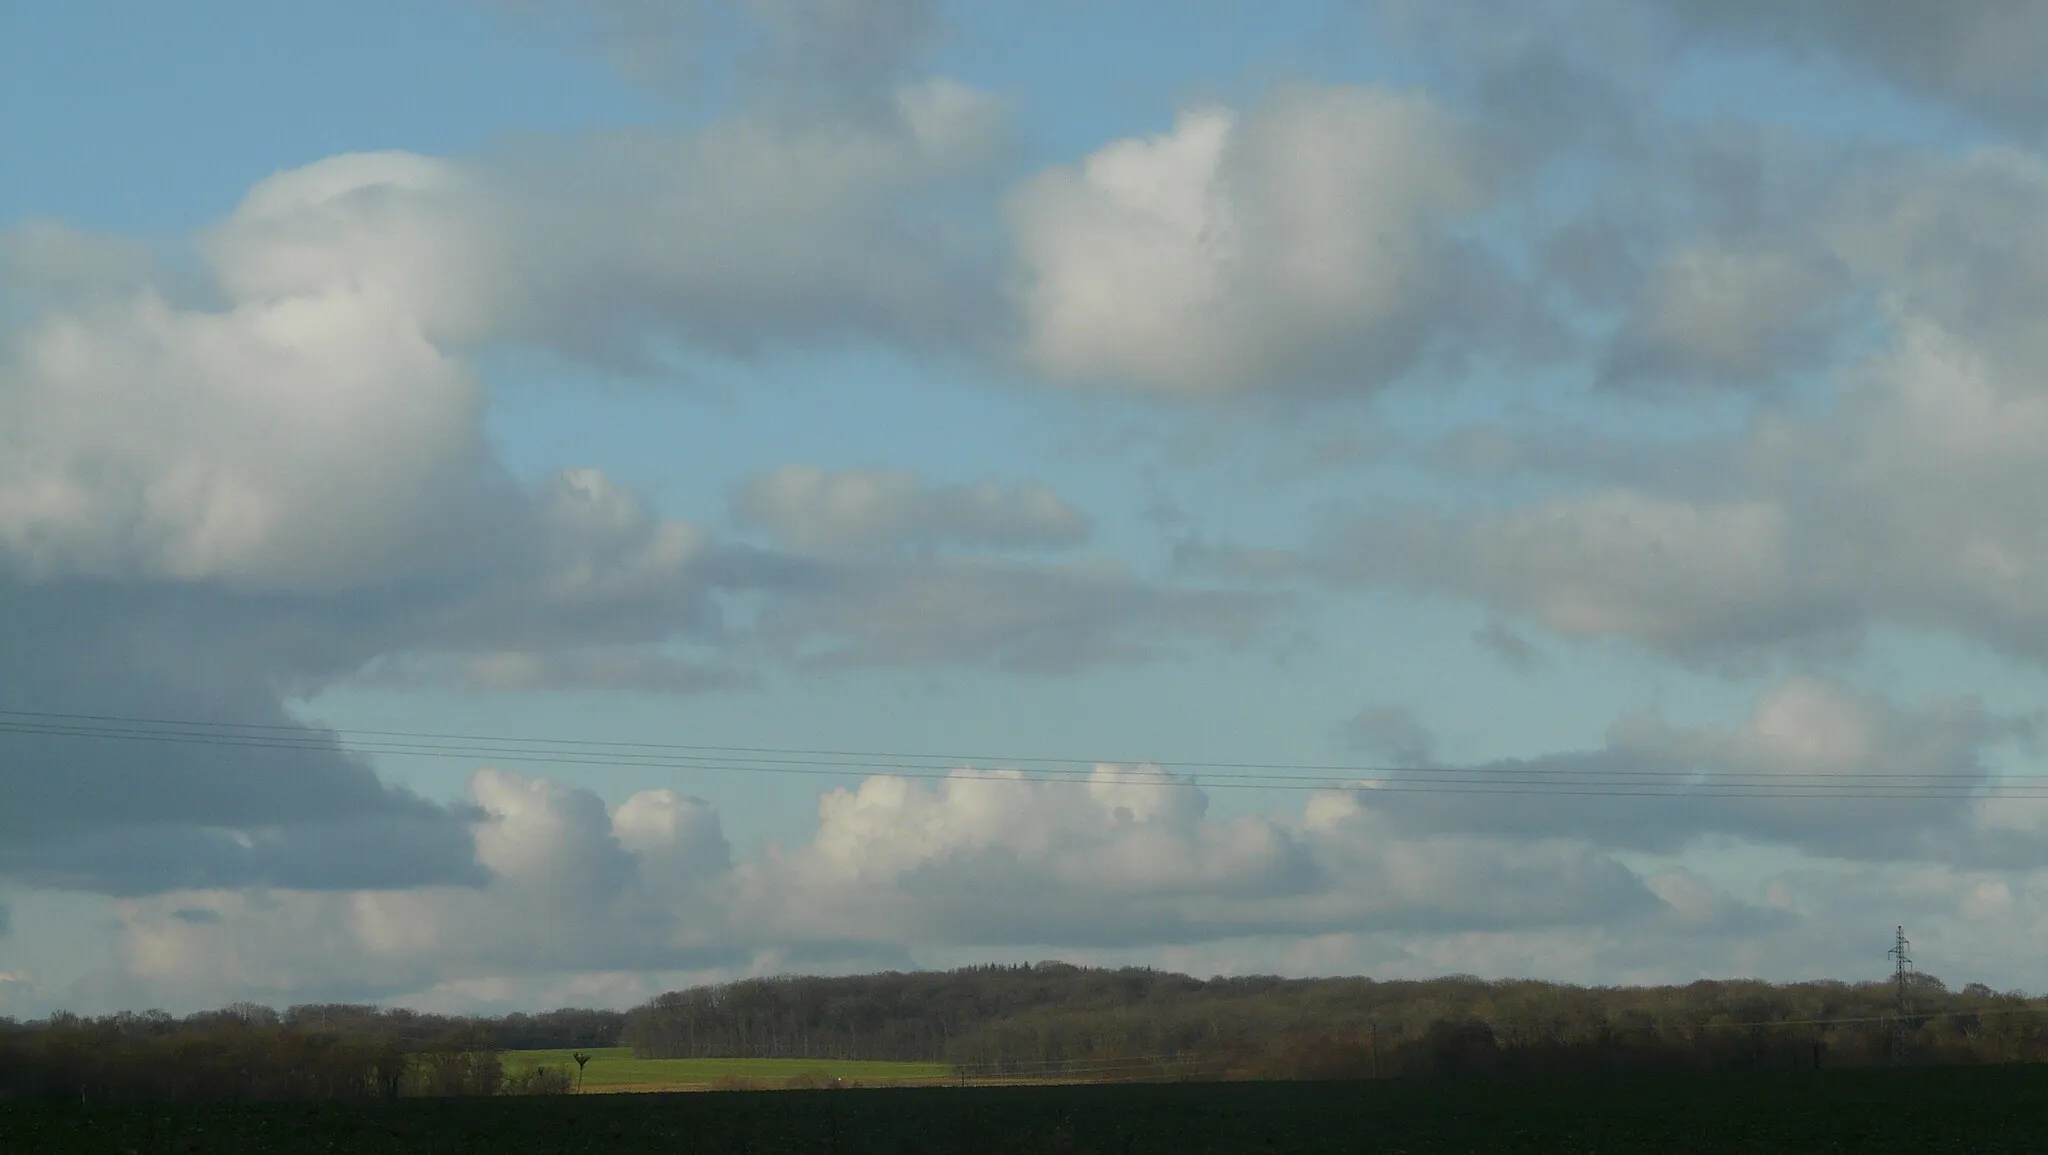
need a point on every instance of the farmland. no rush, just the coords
(1873, 1111)
(615, 1069)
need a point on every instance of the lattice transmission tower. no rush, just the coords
(1902, 970)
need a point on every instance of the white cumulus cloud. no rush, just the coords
(1300, 241)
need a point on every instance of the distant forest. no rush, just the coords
(1053, 1018)
(1048, 1020)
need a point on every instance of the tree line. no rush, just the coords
(1055, 1018)
(1050, 1020)
(250, 1052)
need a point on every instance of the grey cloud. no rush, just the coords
(152, 810)
(620, 247)
(1392, 734)
(853, 510)
(1727, 247)
(45, 261)
(1790, 245)
(568, 884)
(1537, 97)
(656, 43)
(1956, 241)
(1198, 554)
(1504, 452)
(1757, 184)
(1597, 258)
(1900, 496)
(1713, 582)
(1907, 497)
(836, 56)
(587, 565)
(1776, 779)
(614, 581)
(1541, 76)
(1038, 618)
(994, 898)
(1713, 258)
(398, 850)
(1725, 314)
(528, 671)
(750, 235)
(574, 577)
(1981, 57)
(831, 58)
(1000, 897)
(1518, 652)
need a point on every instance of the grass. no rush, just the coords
(615, 1069)
(1932, 1111)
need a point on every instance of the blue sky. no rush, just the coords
(1620, 416)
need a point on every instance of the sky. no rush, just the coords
(513, 503)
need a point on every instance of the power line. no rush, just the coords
(1607, 784)
(752, 759)
(1500, 778)
(311, 736)
(297, 735)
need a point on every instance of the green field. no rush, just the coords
(615, 1069)
(1973, 1110)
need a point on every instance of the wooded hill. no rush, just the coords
(1054, 1018)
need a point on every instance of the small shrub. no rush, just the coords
(460, 1065)
(734, 1082)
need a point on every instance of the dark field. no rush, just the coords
(1921, 1111)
